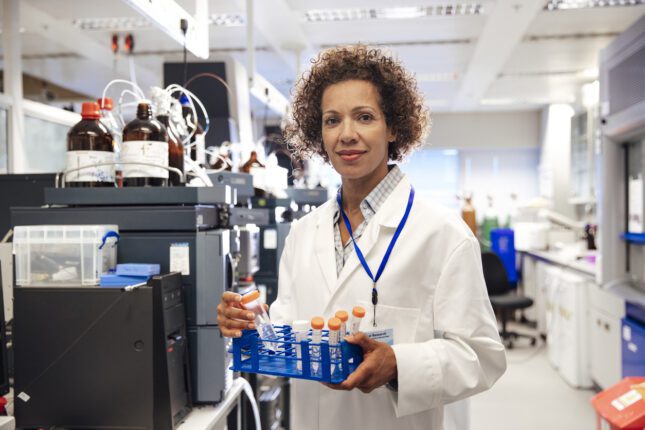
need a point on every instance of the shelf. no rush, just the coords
(635, 238)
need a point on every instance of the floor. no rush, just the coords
(531, 395)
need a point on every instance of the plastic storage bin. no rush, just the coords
(63, 255)
(333, 366)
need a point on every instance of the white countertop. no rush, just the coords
(579, 265)
(210, 417)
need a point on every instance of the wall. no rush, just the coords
(484, 130)
(555, 157)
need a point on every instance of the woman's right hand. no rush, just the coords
(232, 317)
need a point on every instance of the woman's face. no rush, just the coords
(355, 135)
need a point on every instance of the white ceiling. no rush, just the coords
(551, 55)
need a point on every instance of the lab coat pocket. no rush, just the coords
(403, 321)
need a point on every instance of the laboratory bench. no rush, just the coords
(580, 320)
(215, 417)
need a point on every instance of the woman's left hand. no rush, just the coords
(377, 369)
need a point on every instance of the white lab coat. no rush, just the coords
(432, 293)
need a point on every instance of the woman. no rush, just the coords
(359, 109)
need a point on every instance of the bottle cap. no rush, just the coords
(342, 316)
(300, 325)
(358, 311)
(333, 324)
(317, 323)
(249, 297)
(91, 110)
(105, 104)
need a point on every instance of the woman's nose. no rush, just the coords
(348, 132)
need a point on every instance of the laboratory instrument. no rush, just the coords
(101, 358)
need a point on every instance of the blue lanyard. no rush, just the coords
(386, 257)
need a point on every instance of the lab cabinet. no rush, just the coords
(633, 348)
(605, 314)
(567, 306)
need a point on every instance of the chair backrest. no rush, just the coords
(495, 274)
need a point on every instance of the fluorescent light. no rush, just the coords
(226, 20)
(553, 5)
(129, 23)
(409, 12)
(401, 12)
(450, 152)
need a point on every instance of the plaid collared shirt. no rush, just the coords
(368, 206)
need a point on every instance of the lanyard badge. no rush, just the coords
(386, 257)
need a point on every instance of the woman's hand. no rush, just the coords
(232, 317)
(378, 366)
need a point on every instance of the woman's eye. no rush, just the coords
(331, 121)
(365, 117)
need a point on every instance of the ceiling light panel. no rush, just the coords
(354, 14)
(130, 23)
(553, 5)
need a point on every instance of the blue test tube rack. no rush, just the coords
(251, 354)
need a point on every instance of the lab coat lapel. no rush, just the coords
(324, 245)
(384, 223)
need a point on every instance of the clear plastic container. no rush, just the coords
(64, 255)
(317, 324)
(301, 332)
(253, 303)
(357, 316)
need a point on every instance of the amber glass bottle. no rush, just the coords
(144, 141)
(89, 142)
(175, 152)
(252, 162)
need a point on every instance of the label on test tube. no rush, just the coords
(357, 316)
(334, 340)
(343, 316)
(300, 330)
(317, 324)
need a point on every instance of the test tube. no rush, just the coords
(252, 302)
(357, 315)
(317, 324)
(343, 316)
(334, 326)
(300, 330)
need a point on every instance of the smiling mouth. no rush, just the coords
(350, 155)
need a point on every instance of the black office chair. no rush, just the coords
(503, 298)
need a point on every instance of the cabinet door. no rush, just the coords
(605, 348)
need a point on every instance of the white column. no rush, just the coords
(13, 83)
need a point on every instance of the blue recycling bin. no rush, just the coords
(503, 244)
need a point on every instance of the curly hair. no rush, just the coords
(401, 102)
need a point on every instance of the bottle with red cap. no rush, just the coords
(89, 143)
(145, 141)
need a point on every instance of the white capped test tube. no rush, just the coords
(357, 315)
(317, 324)
(300, 330)
(252, 302)
(334, 325)
(343, 316)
